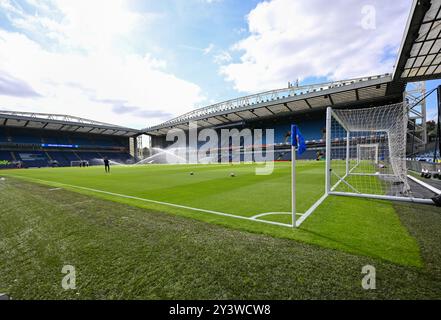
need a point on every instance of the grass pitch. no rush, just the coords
(124, 252)
(364, 227)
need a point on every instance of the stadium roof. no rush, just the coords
(419, 59)
(61, 122)
(286, 101)
(420, 56)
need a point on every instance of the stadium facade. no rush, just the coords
(418, 60)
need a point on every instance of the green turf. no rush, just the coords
(124, 252)
(364, 227)
(211, 186)
(363, 184)
(358, 181)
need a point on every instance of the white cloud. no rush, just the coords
(222, 57)
(87, 74)
(208, 49)
(315, 38)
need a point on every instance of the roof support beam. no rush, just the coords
(431, 21)
(309, 105)
(252, 111)
(330, 99)
(270, 111)
(206, 120)
(237, 115)
(423, 55)
(287, 107)
(223, 118)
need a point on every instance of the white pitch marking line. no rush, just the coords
(161, 203)
(426, 185)
(272, 213)
(55, 189)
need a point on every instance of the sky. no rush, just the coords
(138, 63)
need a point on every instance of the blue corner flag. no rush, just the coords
(297, 140)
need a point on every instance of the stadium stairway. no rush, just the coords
(47, 155)
(60, 158)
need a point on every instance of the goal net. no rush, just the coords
(79, 163)
(367, 152)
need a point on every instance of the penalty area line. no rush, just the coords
(158, 202)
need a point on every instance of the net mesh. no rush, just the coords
(368, 150)
(78, 163)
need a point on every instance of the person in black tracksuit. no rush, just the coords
(106, 165)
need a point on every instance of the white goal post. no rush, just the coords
(79, 163)
(366, 153)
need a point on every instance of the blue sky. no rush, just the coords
(138, 62)
(191, 34)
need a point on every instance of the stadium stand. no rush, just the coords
(311, 124)
(40, 140)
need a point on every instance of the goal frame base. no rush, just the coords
(381, 197)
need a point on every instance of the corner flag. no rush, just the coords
(297, 140)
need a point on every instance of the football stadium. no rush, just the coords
(293, 193)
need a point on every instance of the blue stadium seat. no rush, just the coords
(5, 156)
(32, 158)
(34, 155)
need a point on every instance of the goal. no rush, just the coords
(79, 163)
(366, 153)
